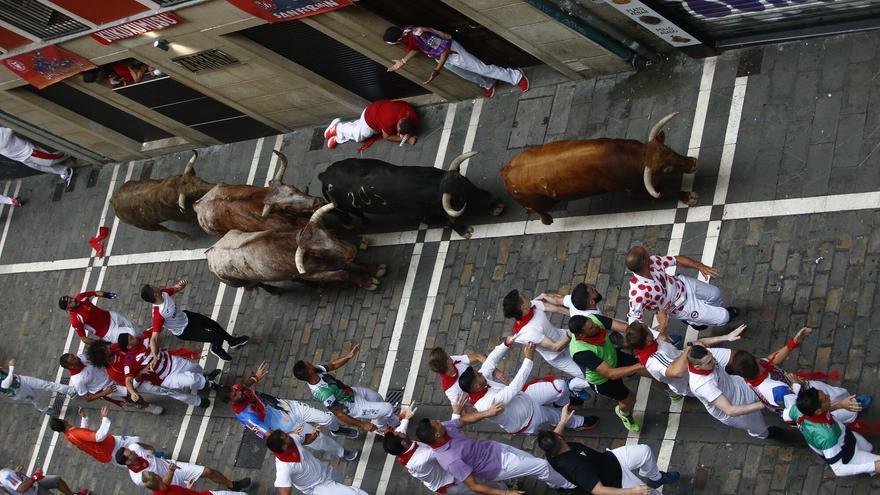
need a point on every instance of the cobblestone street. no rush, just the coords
(788, 210)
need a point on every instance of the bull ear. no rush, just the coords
(661, 137)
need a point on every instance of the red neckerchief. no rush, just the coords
(517, 326)
(142, 464)
(406, 456)
(598, 339)
(76, 372)
(440, 443)
(250, 400)
(698, 371)
(291, 455)
(763, 376)
(824, 419)
(646, 352)
(476, 396)
(447, 380)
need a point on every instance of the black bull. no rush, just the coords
(360, 185)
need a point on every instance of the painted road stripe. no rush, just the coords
(9, 216)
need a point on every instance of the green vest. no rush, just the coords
(606, 352)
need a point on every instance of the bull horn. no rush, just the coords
(299, 259)
(280, 173)
(266, 209)
(447, 206)
(189, 166)
(456, 163)
(659, 125)
(649, 183)
(316, 216)
(181, 202)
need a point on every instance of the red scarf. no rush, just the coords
(517, 326)
(447, 380)
(698, 371)
(598, 339)
(818, 375)
(250, 400)
(476, 396)
(763, 376)
(823, 419)
(646, 352)
(76, 372)
(142, 464)
(290, 455)
(406, 456)
(440, 443)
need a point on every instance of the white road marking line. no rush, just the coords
(9, 216)
(695, 143)
(736, 104)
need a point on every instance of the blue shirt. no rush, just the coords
(280, 415)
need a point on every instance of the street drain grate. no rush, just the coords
(395, 397)
(251, 451)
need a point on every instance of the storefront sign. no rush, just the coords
(46, 66)
(287, 10)
(649, 19)
(137, 28)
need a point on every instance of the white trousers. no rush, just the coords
(46, 161)
(470, 68)
(566, 364)
(37, 391)
(862, 461)
(185, 374)
(632, 457)
(462, 489)
(334, 487)
(309, 416)
(354, 130)
(5, 200)
(704, 304)
(835, 394)
(753, 423)
(148, 388)
(118, 326)
(544, 394)
(225, 492)
(516, 463)
(368, 404)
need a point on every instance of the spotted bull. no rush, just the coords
(147, 203)
(253, 209)
(540, 177)
(311, 254)
(359, 185)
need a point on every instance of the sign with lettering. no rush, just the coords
(649, 19)
(46, 66)
(137, 28)
(287, 10)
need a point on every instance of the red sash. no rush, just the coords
(698, 371)
(406, 456)
(646, 352)
(519, 324)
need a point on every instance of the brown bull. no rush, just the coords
(312, 255)
(253, 209)
(147, 203)
(562, 170)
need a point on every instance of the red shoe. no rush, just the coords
(523, 82)
(331, 143)
(330, 131)
(489, 92)
(16, 201)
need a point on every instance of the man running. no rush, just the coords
(21, 150)
(354, 406)
(30, 389)
(187, 325)
(15, 481)
(531, 325)
(527, 405)
(140, 458)
(598, 472)
(391, 120)
(584, 300)
(260, 413)
(99, 444)
(684, 298)
(92, 323)
(296, 467)
(163, 486)
(449, 368)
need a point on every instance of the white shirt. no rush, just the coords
(661, 360)
(305, 475)
(423, 466)
(518, 407)
(573, 311)
(14, 147)
(11, 481)
(175, 318)
(156, 465)
(709, 387)
(661, 291)
(536, 329)
(450, 385)
(90, 380)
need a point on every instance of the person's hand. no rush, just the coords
(135, 397)
(190, 483)
(19, 469)
(412, 139)
(409, 411)
(317, 431)
(369, 426)
(802, 333)
(495, 409)
(480, 358)
(172, 467)
(434, 73)
(735, 335)
(850, 404)
(459, 404)
(298, 431)
(793, 378)
(640, 490)
(508, 340)
(153, 363)
(181, 284)
(662, 320)
(109, 389)
(354, 350)
(109, 295)
(10, 363)
(398, 63)
(105, 411)
(82, 413)
(262, 371)
(529, 351)
(542, 297)
(500, 377)
(418, 31)
(566, 414)
(708, 271)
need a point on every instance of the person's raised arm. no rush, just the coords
(564, 417)
(460, 412)
(522, 376)
(733, 336)
(722, 403)
(687, 262)
(10, 376)
(477, 487)
(610, 373)
(169, 475)
(473, 356)
(258, 375)
(779, 356)
(849, 403)
(132, 391)
(345, 418)
(337, 363)
(440, 63)
(555, 346)
(104, 429)
(679, 367)
(495, 357)
(83, 418)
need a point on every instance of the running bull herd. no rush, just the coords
(276, 233)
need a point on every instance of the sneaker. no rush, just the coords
(590, 422)
(676, 340)
(865, 400)
(699, 328)
(676, 397)
(16, 201)
(204, 403)
(582, 395)
(162, 454)
(350, 454)
(155, 410)
(236, 342)
(330, 131)
(212, 375)
(331, 143)
(344, 431)
(241, 484)
(220, 353)
(489, 92)
(732, 311)
(67, 176)
(628, 421)
(666, 477)
(523, 82)
(775, 433)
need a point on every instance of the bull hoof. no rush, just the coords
(689, 198)
(364, 244)
(381, 270)
(498, 209)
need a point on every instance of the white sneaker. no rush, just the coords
(155, 410)
(330, 131)
(67, 176)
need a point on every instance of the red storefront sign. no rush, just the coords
(137, 28)
(287, 10)
(46, 66)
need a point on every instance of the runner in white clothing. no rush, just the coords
(140, 458)
(527, 406)
(727, 398)
(449, 368)
(21, 150)
(532, 325)
(93, 383)
(164, 486)
(296, 467)
(683, 298)
(15, 481)
(30, 389)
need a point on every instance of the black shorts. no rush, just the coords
(616, 389)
